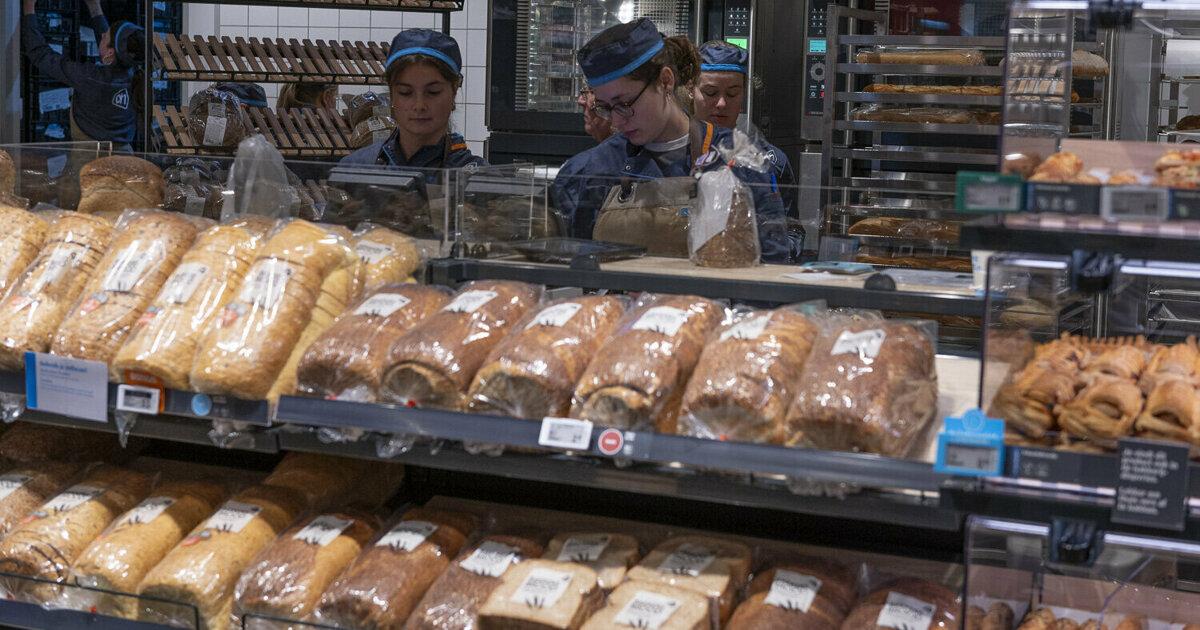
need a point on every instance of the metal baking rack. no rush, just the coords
(1165, 103)
(297, 133)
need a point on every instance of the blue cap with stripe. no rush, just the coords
(619, 50)
(427, 42)
(721, 57)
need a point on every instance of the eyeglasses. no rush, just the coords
(624, 109)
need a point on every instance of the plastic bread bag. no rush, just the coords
(636, 380)
(747, 374)
(194, 171)
(543, 594)
(366, 105)
(797, 592)
(383, 585)
(646, 604)
(869, 386)
(287, 578)
(432, 365)
(146, 250)
(203, 569)
(909, 603)
(28, 487)
(23, 237)
(164, 339)
(371, 131)
(250, 339)
(609, 554)
(325, 481)
(722, 222)
(716, 568)
(124, 553)
(47, 541)
(40, 299)
(922, 56)
(390, 256)
(216, 118)
(198, 200)
(259, 183)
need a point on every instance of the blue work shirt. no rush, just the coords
(782, 169)
(101, 97)
(580, 197)
(451, 152)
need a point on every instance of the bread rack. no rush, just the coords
(299, 133)
(1165, 103)
(274, 60)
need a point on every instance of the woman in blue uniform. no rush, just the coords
(423, 74)
(633, 71)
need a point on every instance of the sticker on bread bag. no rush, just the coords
(905, 613)
(233, 517)
(323, 530)
(793, 591)
(382, 305)
(214, 127)
(266, 282)
(193, 204)
(470, 301)
(72, 498)
(662, 319)
(11, 483)
(647, 610)
(750, 329)
(557, 315)
(127, 269)
(491, 559)
(408, 535)
(56, 263)
(865, 344)
(688, 559)
(584, 548)
(182, 284)
(146, 511)
(542, 588)
(371, 252)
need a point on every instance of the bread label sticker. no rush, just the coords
(688, 559)
(584, 548)
(491, 559)
(542, 588)
(183, 283)
(214, 127)
(750, 329)
(662, 319)
(906, 613)
(471, 301)
(266, 282)
(375, 124)
(127, 269)
(233, 517)
(647, 610)
(11, 483)
(793, 591)
(146, 511)
(557, 315)
(865, 344)
(371, 253)
(56, 263)
(193, 204)
(381, 135)
(323, 530)
(408, 535)
(72, 498)
(382, 305)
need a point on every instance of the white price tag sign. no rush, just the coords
(584, 548)
(906, 613)
(11, 483)
(1135, 203)
(138, 399)
(71, 387)
(994, 196)
(688, 559)
(565, 433)
(323, 530)
(407, 535)
(662, 319)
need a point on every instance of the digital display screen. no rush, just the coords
(742, 42)
(816, 45)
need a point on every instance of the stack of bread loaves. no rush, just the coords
(22, 239)
(652, 605)
(114, 184)
(610, 555)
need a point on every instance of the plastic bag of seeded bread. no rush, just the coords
(653, 605)
(715, 568)
(637, 378)
(147, 248)
(542, 594)
(390, 256)
(532, 373)
(908, 603)
(453, 601)
(40, 299)
(802, 593)
(387, 580)
(432, 364)
(23, 236)
(216, 118)
(163, 341)
(746, 377)
(23, 489)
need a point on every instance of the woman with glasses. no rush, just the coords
(633, 71)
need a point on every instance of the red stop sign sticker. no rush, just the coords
(611, 442)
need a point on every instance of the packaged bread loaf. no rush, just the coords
(868, 386)
(453, 601)
(372, 130)
(120, 182)
(389, 255)
(1088, 65)
(609, 555)
(134, 543)
(346, 361)
(808, 593)
(366, 105)
(46, 542)
(387, 580)
(746, 378)
(907, 603)
(542, 595)
(636, 380)
(326, 480)
(432, 364)
(287, 578)
(8, 172)
(216, 118)
(722, 225)
(164, 339)
(532, 373)
(31, 444)
(23, 236)
(198, 200)
(39, 300)
(948, 57)
(653, 605)
(203, 568)
(146, 250)
(715, 568)
(23, 489)
(250, 339)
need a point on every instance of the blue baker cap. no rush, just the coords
(423, 41)
(719, 57)
(622, 49)
(129, 44)
(251, 94)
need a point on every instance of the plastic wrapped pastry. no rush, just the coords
(542, 594)
(118, 183)
(715, 568)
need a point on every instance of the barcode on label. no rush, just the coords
(565, 433)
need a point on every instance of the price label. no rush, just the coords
(565, 433)
(71, 387)
(1064, 198)
(1185, 204)
(971, 445)
(647, 610)
(407, 535)
(793, 591)
(989, 192)
(138, 399)
(584, 548)
(688, 559)
(1135, 203)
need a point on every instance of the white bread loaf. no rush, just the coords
(118, 183)
(390, 256)
(712, 567)
(23, 236)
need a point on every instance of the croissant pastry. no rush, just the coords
(1093, 624)
(1107, 410)
(1172, 412)
(1179, 361)
(1123, 362)
(1040, 619)
(1132, 622)
(1063, 354)
(1060, 166)
(1064, 624)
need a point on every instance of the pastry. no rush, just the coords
(1022, 163)
(1040, 619)
(1124, 178)
(120, 182)
(1172, 412)
(1104, 410)
(1058, 167)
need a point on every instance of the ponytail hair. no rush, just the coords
(301, 95)
(680, 55)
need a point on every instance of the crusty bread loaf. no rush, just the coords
(1086, 64)
(389, 255)
(756, 614)
(203, 568)
(288, 577)
(715, 568)
(653, 605)
(532, 373)
(8, 173)
(23, 236)
(453, 602)
(137, 264)
(326, 480)
(346, 361)
(837, 583)
(964, 57)
(609, 555)
(139, 539)
(164, 339)
(26, 488)
(386, 581)
(637, 378)
(745, 378)
(432, 364)
(903, 599)
(120, 182)
(41, 297)
(542, 595)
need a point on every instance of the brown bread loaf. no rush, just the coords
(118, 183)
(432, 364)
(326, 480)
(216, 118)
(652, 605)
(755, 613)
(23, 236)
(532, 373)
(715, 568)
(838, 584)
(609, 555)
(26, 488)
(964, 57)
(389, 255)
(908, 601)
(542, 595)
(637, 378)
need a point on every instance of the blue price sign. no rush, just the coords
(971, 445)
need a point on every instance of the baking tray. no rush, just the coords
(563, 251)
